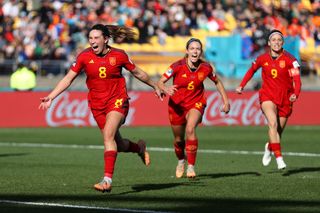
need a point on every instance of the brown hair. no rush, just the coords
(117, 33)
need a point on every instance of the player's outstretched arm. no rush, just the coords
(61, 86)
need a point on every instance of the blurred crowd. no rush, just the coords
(57, 29)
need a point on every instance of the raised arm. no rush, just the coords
(62, 85)
(251, 71)
(145, 78)
(222, 91)
(169, 90)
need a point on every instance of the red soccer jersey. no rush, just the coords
(280, 76)
(104, 75)
(190, 88)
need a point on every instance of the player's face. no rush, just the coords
(97, 41)
(276, 43)
(194, 51)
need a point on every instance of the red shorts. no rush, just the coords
(177, 114)
(284, 110)
(119, 105)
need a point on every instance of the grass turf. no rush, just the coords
(225, 182)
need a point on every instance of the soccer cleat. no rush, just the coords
(144, 155)
(103, 186)
(266, 159)
(280, 163)
(190, 172)
(179, 170)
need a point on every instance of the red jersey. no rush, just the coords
(280, 77)
(190, 88)
(104, 75)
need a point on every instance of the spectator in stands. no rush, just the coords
(23, 79)
(65, 23)
(187, 102)
(281, 86)
(108, 98)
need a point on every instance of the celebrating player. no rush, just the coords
(187, 102)
(108, 98)
(281, 86)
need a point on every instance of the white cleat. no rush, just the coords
(190, 172)
(280, 163)
(180, 169)
(266, 159)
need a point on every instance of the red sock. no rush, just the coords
(276, 148)
(191, 149)
(179, 149)
(109, 162)
(133, 147)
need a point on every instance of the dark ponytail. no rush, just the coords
(117, 33)
(120, 32)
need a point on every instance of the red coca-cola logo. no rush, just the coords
(244, 111)
(69, 112)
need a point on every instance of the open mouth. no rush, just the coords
(95, 47)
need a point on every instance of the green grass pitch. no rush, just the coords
(54, 169)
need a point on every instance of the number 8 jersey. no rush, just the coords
(104, 75)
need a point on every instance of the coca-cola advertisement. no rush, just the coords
(20, 109)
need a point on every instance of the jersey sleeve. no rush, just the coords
(78, 65)
(294, 72)
(128, 64)
(169, 73)
(212, 74)
(251, 71)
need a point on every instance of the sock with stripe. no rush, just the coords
(191, 149)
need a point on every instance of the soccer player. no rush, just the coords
(281, 85)
(187, 102)
(107, 98)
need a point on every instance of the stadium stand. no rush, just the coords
(51, 33)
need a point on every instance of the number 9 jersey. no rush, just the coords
(280, 77)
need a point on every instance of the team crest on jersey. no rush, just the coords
(200, 76)
(282, 64)
(112, 61)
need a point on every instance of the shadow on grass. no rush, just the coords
(301, 170)
(223, 175)
(169, 203)
(12, 155)
(157, 186)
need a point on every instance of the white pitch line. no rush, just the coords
(77, 206)
(156, 149)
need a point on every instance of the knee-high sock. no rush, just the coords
(276, 148)
(109, 162)
(179, 149)
(191, 149)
